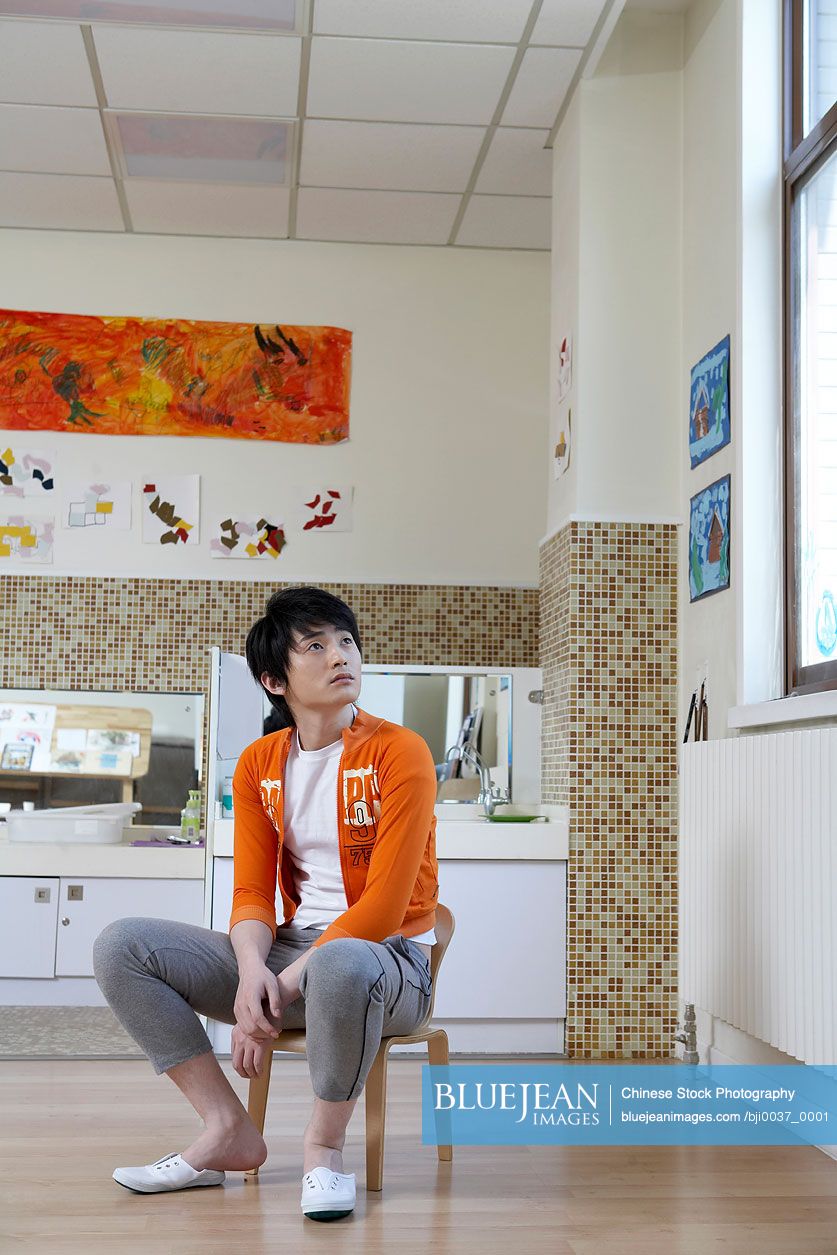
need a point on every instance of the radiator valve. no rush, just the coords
(688, 1035)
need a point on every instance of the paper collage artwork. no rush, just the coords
(323, 509)
(98, 505)
(26, 539)
(25, 472)
(253, 538)
(171, 510)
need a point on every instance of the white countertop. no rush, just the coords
(67, 858)
(461, 838)
(470, 838)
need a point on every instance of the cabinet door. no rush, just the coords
(507, 959)
(222, 893)
(28, 913)
(89, 903)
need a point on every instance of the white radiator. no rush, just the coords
(758, 887)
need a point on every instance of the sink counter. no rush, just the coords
(67, 858)
(468, 839)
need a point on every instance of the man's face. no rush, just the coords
(317, 657)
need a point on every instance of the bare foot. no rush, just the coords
(316, 1156)
(236, 1147)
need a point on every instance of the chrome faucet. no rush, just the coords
(490, 795)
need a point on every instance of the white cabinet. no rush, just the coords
(28, 920)
(59, 931)
(88, 905)
(507, 957)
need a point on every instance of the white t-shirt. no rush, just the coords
(311, 842)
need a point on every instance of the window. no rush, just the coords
(810, 177)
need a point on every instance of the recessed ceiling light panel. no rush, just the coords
(271, 15)
(203, 149)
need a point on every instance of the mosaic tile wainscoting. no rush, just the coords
(155, 635)
(608, 625)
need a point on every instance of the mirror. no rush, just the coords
(70, 748)
(447, 710)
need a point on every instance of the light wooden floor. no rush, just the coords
(67, 1124)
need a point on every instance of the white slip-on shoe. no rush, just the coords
(169, 1173)
(327, 1195)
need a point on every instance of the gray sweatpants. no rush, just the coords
(158, 975)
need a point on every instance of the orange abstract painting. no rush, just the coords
(172, 377)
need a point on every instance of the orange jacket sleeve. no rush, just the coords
(255, 849)
(407, 780)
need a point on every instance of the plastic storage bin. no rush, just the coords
(94, 825)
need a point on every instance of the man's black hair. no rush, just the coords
(270, 639)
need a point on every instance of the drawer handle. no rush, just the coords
(65, 920)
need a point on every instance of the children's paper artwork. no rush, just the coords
(25, 539)
(317, 509)
(25, 472)
(71, 739)
(67, 760)
(248, 538)
(171, 510)
(89, 504)
(114, 739)
(174, 377)
(709, 421)
(565, 368)
(108, 762)
(26, 736)
(709, 535)
(562, 448)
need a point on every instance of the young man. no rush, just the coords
(336, 810)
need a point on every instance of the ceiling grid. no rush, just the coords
(375, 121)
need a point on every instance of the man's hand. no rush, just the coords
(248, 1053)
(255, 985)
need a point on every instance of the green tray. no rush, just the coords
(511, 819)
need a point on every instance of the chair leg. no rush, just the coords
(257, 1101)
(376, 1113)
(437, 1054)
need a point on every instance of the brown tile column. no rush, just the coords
(609, 657)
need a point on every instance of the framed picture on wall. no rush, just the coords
(709, 423)
(709, 535)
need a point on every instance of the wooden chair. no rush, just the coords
(293, 1041)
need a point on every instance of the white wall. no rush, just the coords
(566, 211)
(616, 278)
(449, 408)
(732, 284)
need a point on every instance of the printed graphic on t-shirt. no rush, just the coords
(271, 791)
(361, 809)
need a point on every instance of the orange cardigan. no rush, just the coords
(386, 792)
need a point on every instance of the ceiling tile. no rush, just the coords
(567, 22)
(389, 155)
(517, 163)
(197, 72)
(378, 80)
(540, 86)
(472, 21)
(507, 222)
(235, 14)
(375, 217)
(210, 150)
(59, 200)
(44, 64)
(207, 209)
(52, 140)
(260, 14)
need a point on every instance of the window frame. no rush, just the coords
(803, 157)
